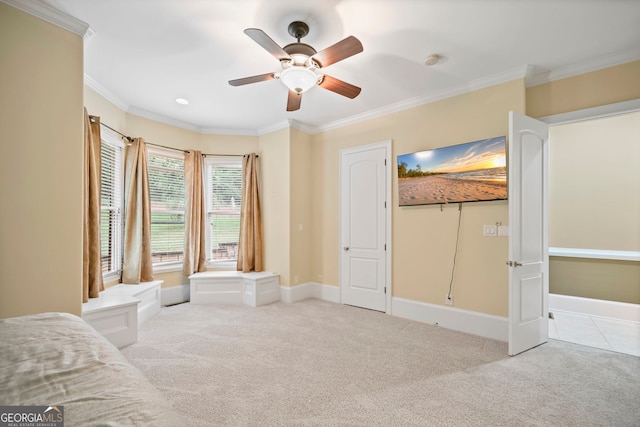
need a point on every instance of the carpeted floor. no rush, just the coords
(315, 363)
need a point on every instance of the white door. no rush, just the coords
(528, 237)
(364, 195)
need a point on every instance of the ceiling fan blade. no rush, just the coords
(294, 100)
(339, 51)
(267, 43)
(252, 79)
(340, 87)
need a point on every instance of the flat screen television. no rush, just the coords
(471, 172)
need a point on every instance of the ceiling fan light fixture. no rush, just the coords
(298, 79)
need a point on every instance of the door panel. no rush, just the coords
(364, 204)
(528, 242)
(363, 227)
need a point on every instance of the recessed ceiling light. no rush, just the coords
(182, 101)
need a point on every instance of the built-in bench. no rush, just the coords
(118, 311)
(234, 287)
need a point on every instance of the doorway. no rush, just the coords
(594, 208)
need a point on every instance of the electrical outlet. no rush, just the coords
(448, 299)
(489, 230)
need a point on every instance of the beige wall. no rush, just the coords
(275, 199)
(41, 131)
(602, 87)
(301, 195)
(611, 280)
(424, 237)
(594, 184)
(96, 105)
(594, 203)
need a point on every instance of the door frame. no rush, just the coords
(578, 116)
(387, 145)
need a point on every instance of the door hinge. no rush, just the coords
(385, 162)
(385, 246)
(385, 205)
(385, 289)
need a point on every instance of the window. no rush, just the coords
(111, 212)
(167, 194)
(223, 188)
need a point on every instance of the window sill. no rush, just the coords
(167, 267)
(222, 265)
(111, 277)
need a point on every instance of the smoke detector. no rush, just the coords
(431, 60)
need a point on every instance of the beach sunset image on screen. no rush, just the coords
(471, 172)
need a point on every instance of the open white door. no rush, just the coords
(364, 191)
(528, 236)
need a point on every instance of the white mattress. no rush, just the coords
(58, 359)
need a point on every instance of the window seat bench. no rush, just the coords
(234, 287)
(118, 311)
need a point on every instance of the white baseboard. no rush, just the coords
(471, 322)
(595, 307)
(301, 292)
(325, 292)
(174, 295)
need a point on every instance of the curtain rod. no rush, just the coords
(128, 138)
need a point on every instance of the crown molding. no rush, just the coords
(273, 128)
(229, 131)
(105, 93)
(492, 80)
(304, 127)
(163, 119)
(583, 67)
(52, 15)
(598, 112)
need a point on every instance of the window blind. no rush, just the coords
(167, 195)
(224, 197)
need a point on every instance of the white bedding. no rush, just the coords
(58, 359)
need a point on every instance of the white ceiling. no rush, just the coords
(146, 53)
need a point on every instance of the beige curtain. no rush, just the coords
(136, 263)
(250, 247)
(195, 256)
(91, 263)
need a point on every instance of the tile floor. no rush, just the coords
(610, 334)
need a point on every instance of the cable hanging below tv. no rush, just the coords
(471, 172)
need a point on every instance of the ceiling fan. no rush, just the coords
(301, 64)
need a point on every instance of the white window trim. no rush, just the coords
(112, 138)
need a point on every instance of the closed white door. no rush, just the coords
(363, 226)
(528, 238)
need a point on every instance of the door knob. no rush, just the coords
(346, 248)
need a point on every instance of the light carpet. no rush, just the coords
(316, 363)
